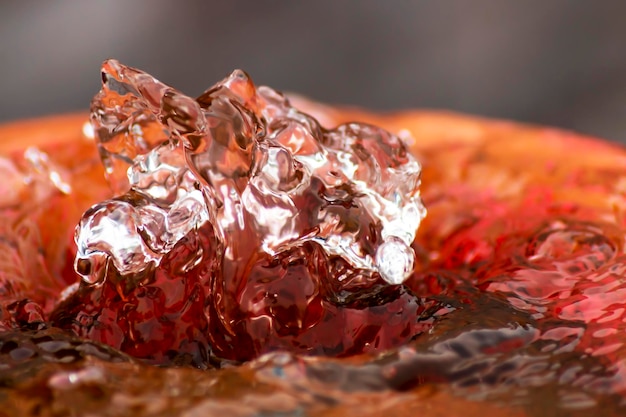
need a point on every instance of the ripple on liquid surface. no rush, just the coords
(514, 302)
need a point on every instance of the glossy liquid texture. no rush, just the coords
(246, 227)
(515, 305)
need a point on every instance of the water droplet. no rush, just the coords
(394, 260)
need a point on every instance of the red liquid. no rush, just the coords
(516, 305)
(248, 229)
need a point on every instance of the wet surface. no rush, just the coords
(515, 306)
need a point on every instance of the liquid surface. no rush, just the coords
(245, 228)
(517, 286)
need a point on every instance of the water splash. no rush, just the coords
(297, 214)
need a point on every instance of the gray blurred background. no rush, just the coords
(556, 62)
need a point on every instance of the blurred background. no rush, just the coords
(557, 62)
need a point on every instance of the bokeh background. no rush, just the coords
(556, 62)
